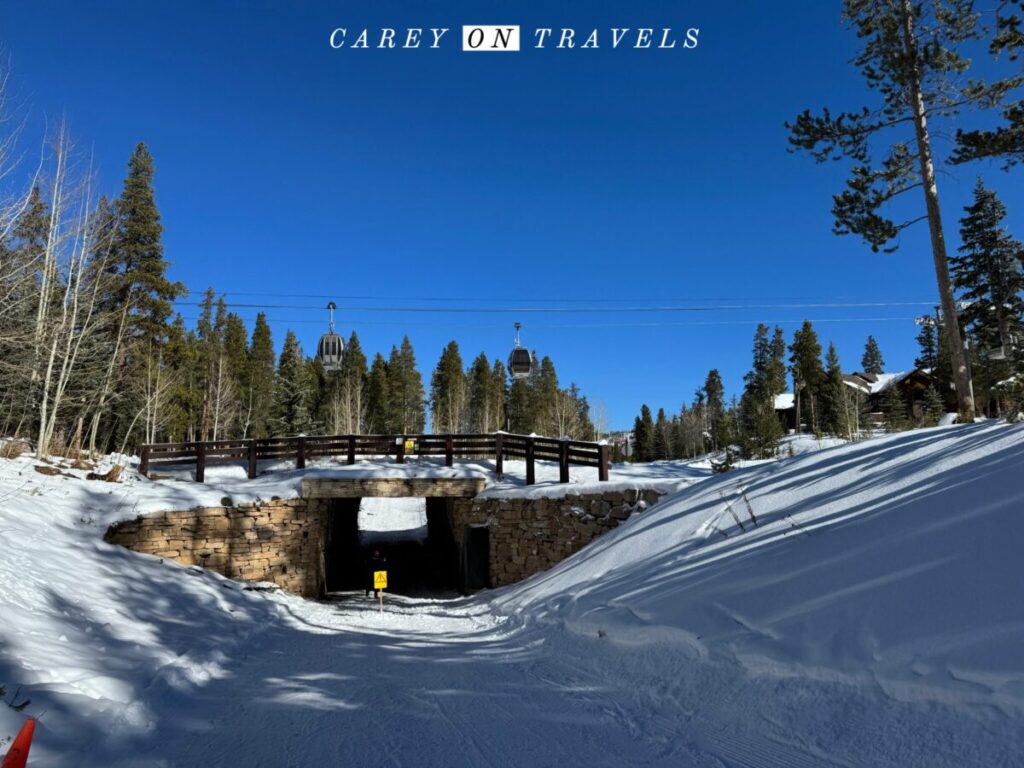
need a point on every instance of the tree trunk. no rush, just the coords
(958, 359)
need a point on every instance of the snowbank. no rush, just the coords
(893, 563)
(853, 606)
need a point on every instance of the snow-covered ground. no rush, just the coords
(873, 615)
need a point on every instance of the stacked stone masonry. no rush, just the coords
(282, 541)
(276, 541)
(531, 535)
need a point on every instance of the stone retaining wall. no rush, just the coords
(278, 541)
(283, 541)
(531, 535)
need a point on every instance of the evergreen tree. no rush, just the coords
(760, 426)
(448, 413)
(643, 436)
(714, 401)
(292, 389)
(927, 342)
(776, 371)
(485, 396)
(661, 442)
(988, 273)
(544, 397)
(499, 396)
(914, 56)
(808, 375)
(835, 417)
(345, 402)
(933, 408)
(378, 397)
(519, 410)
(236, 352)
(408, 401)
(181, 355)
(872, 361)
(1004, 141)
(261, 380)
(894, 409)
(138, 254)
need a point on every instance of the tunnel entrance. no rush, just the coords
(421, 560)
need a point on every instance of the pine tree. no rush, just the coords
(988, 273)
(485, 396)
(872, 361)
(292, 389)
(927, 342)
(345, 397)
(760, 426)
(808, 375)
(236, 352)
(407, 398)
(914, 57)
(1004, 141)
(261, 379)
(544, 397)
(776, 371)
(378, 397)
(714, 400)
(661, 442)
(894, 409)
(499, 396)
(835, 416)
(138, 254)
(448, 413)
(519, 410)
(643, 436)
(181, 354)
(933, 408)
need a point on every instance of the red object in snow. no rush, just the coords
(17, 755)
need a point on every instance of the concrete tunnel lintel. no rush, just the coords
(392, 487)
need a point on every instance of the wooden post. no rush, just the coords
(400, 450)
(200, 461)
(563, 461)
(449, 451)
(300, 453)
(351, 449)
(530, 474)
(252, 459)
(499, 456)
(603, 460)
(144, 462)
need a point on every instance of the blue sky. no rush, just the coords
(288, 172)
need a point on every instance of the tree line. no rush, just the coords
(94, 358)
(988, 276)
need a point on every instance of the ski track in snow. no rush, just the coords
(872, 616)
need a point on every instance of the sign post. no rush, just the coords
(380, 583)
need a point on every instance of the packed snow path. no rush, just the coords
(449, 684)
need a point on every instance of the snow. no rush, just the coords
(399, 519)
(872, 616)
(785, 401)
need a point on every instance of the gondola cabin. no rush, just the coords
(520, 361)
(331, 349)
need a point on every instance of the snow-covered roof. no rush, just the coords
(874, 384)
(785, 401)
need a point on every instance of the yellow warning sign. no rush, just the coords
(380, 579)
(410, 446)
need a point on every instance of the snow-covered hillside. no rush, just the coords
(872, 615)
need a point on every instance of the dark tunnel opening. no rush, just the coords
(421, 562)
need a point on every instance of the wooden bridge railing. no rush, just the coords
(499, 446)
